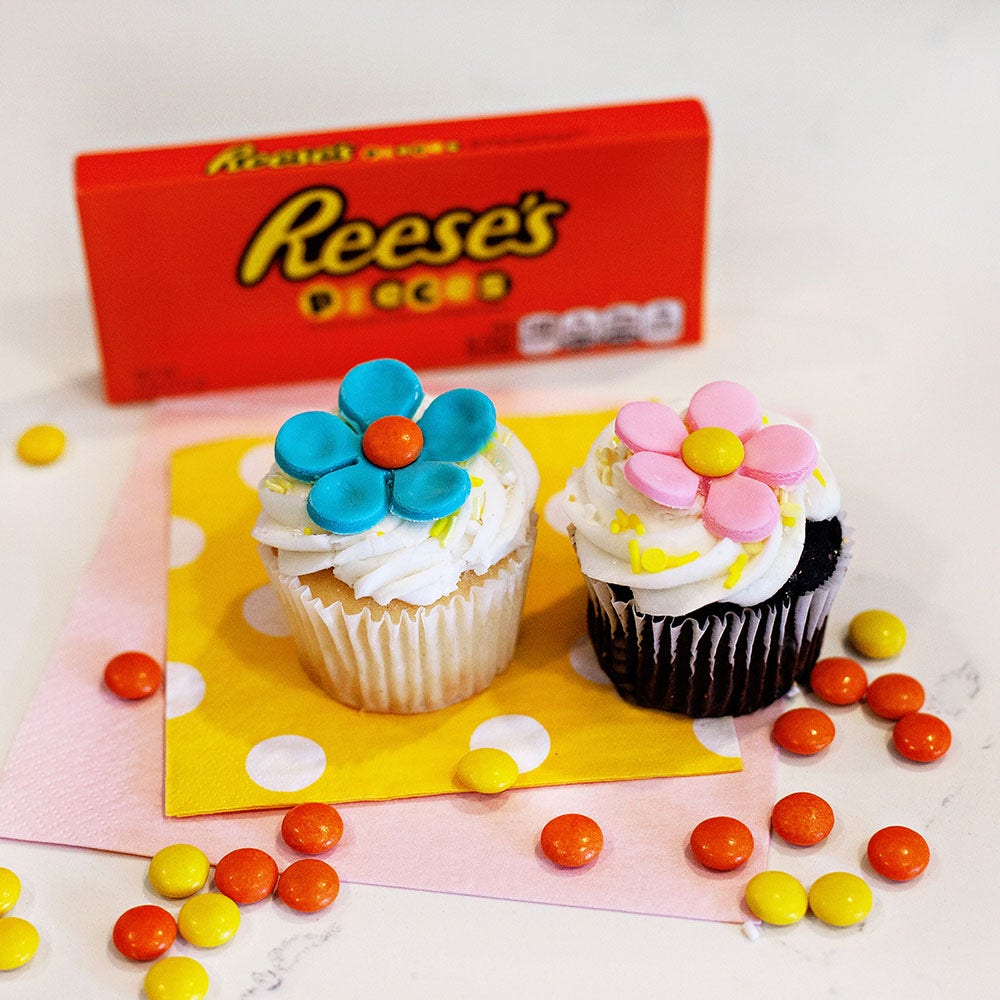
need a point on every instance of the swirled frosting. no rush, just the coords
(669, 558)
(417, 562)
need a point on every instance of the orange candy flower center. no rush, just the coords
(392, 442)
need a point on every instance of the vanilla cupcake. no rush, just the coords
(711, 542)
(398, 533)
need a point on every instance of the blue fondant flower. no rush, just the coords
(373, 458)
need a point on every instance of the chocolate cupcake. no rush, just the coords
(711, 542)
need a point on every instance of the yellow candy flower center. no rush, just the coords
(712, 451)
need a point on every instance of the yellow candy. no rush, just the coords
(776, 898)
(176, 978)
(10, 889)
(208, 920)
(41, 445)
(712, 451)
(487, 770)
(18, 943)
(840, 899)
(877, 634)
(178, 871)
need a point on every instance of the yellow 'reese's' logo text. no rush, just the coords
(308, 234)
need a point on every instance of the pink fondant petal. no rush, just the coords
(644, 426)
(780, 455)
(742, 509)
(664, 479)
(724, 404)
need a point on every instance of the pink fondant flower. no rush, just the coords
(720, 450)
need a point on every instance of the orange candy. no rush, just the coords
(892, 696)
(132, 675)
(722, 843)
(312, 828)
(921, 737)
(246, 875)
(308, 885)
(839, 680)
(804, 731)
(572, 840)
(898, 853)
(392, 442)
(144, 932)
(802, 819)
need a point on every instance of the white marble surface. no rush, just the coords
(853, 274)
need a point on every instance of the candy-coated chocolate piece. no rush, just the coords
(246, 875)
(877, 634)
(392, 442)
(178, 870)
(132, 675)
(487, 769)
(839, 680)
(776, 898)
(312, 828)
(41, 445)
(892, 696)
(804, 731)
(10, 890)
(176, 977)
(208, 920)
(898, 853)
(18, 943)
(572, 840)
(144, 932)
(722, 843)
(802, 819)
(308, 885)
(921, 737)
(712, 452)
(840, 899)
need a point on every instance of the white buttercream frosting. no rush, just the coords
(717, 569)
(418, 562)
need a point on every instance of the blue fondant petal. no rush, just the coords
(379, 388)
(351, 499)
(313, 443)
(456, 425)
(426, 491)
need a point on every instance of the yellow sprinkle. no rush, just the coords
(614, 527)
(276, 484)
(736, 571)
(635, 523)
(605, 475)
(572, 498)
(307, 530)
(654, 560)
(819, 476)
(441, 528)
(752, 548)
(763, 419)
(620, 515)
(475, 480)
(615, 440)
(789, 512)
(633, 554)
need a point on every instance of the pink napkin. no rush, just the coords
(86, 769)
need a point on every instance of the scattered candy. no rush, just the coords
(144, 932)
(892, 696)
(898, 853)
(776, 898)
(308, 885)
(804, 731)
(18, 943)
(722, 843)
(312, 828)
(487, 770)
(246, 875)
(10, 890)
(839, 680)
(840, 899)
(802, 819)
(178, 871)
(572, 840)
(132, 675)
(921, 737)
(877, 634)
(41, 445)
(208, 920)
(176, 978)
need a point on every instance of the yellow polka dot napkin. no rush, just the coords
(247, 729)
